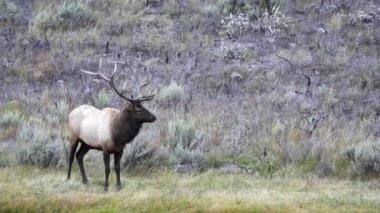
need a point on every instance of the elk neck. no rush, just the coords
(125, 128)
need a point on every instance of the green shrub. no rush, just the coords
(217, 159)
(68, 16)
(309, 164)
(46, 20)
(254, 9)
(62, 110)
(341, 166)
(248, 163)
(75, 14)
(11, 118)
(171, 95)
(9, 12)
(268, 166)
(198, 159)
(143, 152)
(183, 156)
(211, 10)
(366, 157)
(113, 27)
(4, 159)
(232, 52)
(181, 133)
(57, 112)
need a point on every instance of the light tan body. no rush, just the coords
(92, 126)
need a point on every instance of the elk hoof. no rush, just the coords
(85, 181)
(118, 188)
(105, 190)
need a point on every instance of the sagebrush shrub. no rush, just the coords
(236, 25)
(182, 156)
(69, 16)
(62, 110)
(137, 152)
(9, 12)
(231, 52)
(171, 95)
(181, 133)
(37, 147)
(253, 8)
(366, 157)
(4, 159)
(11, 118)
(75, 15)
(144, 150)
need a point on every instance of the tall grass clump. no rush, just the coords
(36, 146)
(171, 95)
(62, 110)
(57, 111)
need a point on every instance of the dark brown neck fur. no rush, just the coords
(125, 128)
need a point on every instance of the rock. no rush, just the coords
(60, 83)
(236, 76)
(293, 46)
(321, 31)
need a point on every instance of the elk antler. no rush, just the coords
(134, 70)
(146, 97)
(112, 82)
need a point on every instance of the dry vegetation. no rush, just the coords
(266, 88)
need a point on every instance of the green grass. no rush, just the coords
(29, 189)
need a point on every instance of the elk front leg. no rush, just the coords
(106, 158)
(117, 159)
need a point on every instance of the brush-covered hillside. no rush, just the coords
(263, 87)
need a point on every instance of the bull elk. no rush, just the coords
(108, 130)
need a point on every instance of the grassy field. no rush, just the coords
(28, 189)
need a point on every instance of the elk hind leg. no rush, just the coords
(73, 147)
(107, 168)
(80, 154)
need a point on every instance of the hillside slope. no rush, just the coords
(234, 78)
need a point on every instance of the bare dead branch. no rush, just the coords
(287, 60)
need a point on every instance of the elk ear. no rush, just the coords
(131, 106)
